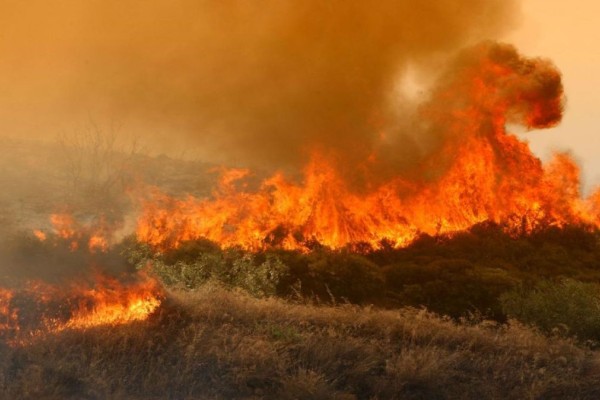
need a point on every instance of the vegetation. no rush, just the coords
(218, 344)
(480, 314)
(480, 272)
(569, 306)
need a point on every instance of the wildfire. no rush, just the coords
(480, 173)
(67, 228)
(87, 299)
(39, 308)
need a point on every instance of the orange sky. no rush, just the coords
(568, 33)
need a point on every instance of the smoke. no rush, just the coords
(24, 257)
(258, 83)
(487, 86)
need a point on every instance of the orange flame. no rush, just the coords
(40, 307)
(41, 236)
(36, 308)
(480, 173)
(112, 302)
(93, 236)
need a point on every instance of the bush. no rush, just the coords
(452, 287)
(331, 276)
(452, 275)
(259, 280)
(196, 263)
(565, 305)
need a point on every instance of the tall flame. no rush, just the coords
(480, 172)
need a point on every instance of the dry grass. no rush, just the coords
(215, 344)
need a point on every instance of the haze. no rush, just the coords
(237, 82)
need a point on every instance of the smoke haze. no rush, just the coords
(252, 83)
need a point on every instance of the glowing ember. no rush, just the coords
(480, 172)
(40, 235)
(8, 316)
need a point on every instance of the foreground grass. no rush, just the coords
(214, 344)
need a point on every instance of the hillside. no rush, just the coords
(482, 313)
(217, 344)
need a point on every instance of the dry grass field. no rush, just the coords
(219, 344)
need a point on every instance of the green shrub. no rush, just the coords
(452, 287)
(453, 274)
(259, 280)
(190, 275)
(558, 306)
(196, 263)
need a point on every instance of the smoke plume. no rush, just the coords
(255, 83)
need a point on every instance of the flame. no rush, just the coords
(479, 173)
(93, 298)
(112, 302)
(40, 235)
(97, 242)
(8, 316)
(323, 209)
(39, 308)
(95, 236)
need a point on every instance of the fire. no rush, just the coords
(39, 308)
(40, 235)
(87, 299)
(94, 236)
(111, 302)
(8, 316)
(479, 173)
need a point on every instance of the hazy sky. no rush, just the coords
(569, 34)
(157, 66)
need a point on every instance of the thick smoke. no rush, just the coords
(25, 258)
(248, 82)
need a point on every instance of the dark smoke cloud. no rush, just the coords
(251, 82)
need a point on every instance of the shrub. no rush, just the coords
(196, 263)
(452, 287)
(554, 306)
(259, 280)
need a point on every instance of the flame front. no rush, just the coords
(111, 302)
(85, 299)
(40, 308)
(479, 173)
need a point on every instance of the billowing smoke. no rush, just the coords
(247, 82)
